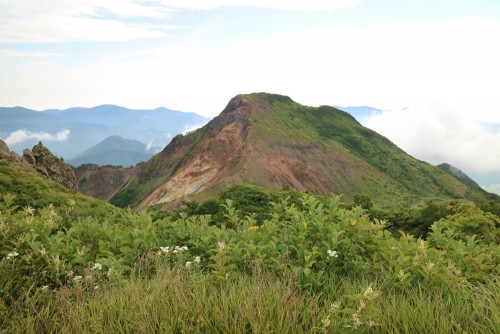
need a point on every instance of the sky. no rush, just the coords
(432, 66)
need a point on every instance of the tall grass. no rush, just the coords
(190, 301)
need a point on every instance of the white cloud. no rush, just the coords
(439, 134)
(108, 20)
(189, 128)
(155, 145)
(90, 20)
(22, 135)
(300, 5)
(28, 54)
(492, 188)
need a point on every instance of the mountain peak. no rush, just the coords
(236, 102)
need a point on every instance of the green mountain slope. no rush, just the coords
(270, 140)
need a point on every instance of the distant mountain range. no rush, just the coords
(272, 141)
(114, 150)
(68, 133)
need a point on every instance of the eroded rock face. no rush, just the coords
(101, 182)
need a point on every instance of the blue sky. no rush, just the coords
(431, 65)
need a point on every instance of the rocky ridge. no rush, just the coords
(41, 161)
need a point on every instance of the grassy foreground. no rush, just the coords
(312, 266)
(189, 301)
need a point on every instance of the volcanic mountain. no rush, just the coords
(272, 141)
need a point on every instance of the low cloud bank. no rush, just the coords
(21, 135)
(492, 188)
(439, 134)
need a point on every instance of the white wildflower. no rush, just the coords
(220, 246)
(12, 255)
(197, 259)
(369, 293)
(77, 278)
(355, 321)
(334, 307)
(188, 264)
(97, 266)
(362, 305)
(69, 274)
(164, 249)
(332, 253)
(326, 322)
(110, 273)
(45, 287)
(96, 287)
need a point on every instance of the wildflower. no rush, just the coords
(362, 305)
(371, 323)
(369, 293)
(110, 273)
(197, 259)
(96, 287)
(355, 321)
(164, 249)
(421, 244)
(430, 265)
(325, 322)
(188, 264)
(77, 278)
(332, 253)
(97, 266)
(253, 228)
(12, 255)
(45, 287)
(70, 274)
(181, 249)
(334, 307)
(220, 246)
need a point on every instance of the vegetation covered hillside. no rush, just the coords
(272, 141)
(251, 260)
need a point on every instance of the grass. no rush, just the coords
(190, 301)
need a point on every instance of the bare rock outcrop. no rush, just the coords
(50, 166)
(41, 161)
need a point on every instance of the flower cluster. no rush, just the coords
(97, 266)
(253, 228)
(196, 260)
(177, 249)
(12, 255)
(332, 253)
